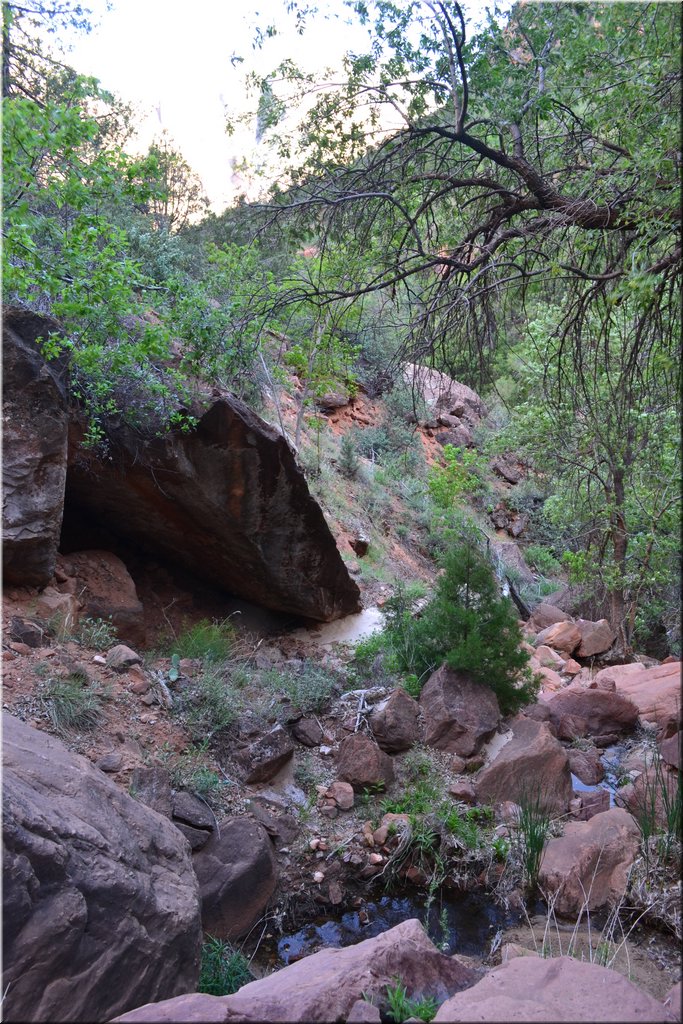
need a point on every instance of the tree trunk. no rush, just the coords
(619, 549)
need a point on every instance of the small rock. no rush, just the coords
(140, 686)
(20, 648)
(318, 877)
(376, 858)
(110, 762)
(342, 794)
(26, 632)
(463, 791)
(120, 658)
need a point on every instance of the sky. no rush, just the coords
(174, 60)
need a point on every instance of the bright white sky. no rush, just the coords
(172, 60)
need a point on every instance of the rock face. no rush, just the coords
(35, 425)
(459, 714)
(588, 865)
(237, 876)
(100, 902)
(226, 501)
(532, 763)
(324, 987)
(529, 988)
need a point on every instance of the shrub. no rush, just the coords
(400, 1007)
(210, 641)
(348, 460)
(542, 560)
(211, 703)
(533, 827)
(96, 633)
(462, 474)
(223, 968)
(309, 690)
(190, 770)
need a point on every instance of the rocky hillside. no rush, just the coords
(173, 768)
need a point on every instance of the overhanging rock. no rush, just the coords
(227, 502)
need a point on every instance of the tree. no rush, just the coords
(469, 626)
(536, 165)
(180, 197)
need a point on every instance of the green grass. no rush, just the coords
(72, 705)
(223, 968)
(309, 690)
(400, 1007)
(207, 641)
(98, 633)
(533, 828)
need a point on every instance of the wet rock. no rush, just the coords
(106, 591)
(35, 427)
(237, 876)
(586, 765)
(266, 756)
(578, 712)
(596, 637)
(587, 867)
(100, 902)
(532, 764)
(530, 988)
(459, 714)
(121, 658)
(394, 722)
(361, 762)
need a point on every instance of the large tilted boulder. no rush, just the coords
(531, 765)
(656, 691)
(106, 591)
(459, 714)
(530, 988)
(100, 900)
(225, 500)
(577, 712)
(325, 986)
(587, 866)
(395, 721)
(237, 875)
(35, 428)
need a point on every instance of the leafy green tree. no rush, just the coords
(180, 196)
(470, 627)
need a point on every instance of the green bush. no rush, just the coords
(400, 1007)
(468, 626)
(542, 560)
(309, 690)
(210, 703)
(95, 633)
(462, 474)
(210, 641)
(223, 969)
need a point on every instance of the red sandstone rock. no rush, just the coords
(394, 722)
(586, 765)
(459, 714)
(107, 591)
(588, 865)
(532, 763)
(530, 988)
(656, 691)
(363, 764)
(578, 712)
(561, 636)
(545, 615)
(596, 637)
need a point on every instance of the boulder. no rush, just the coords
(264, 758)
(459, 437)
(545, 615)
(531, 764)
(152, 786)
(531, 988)
(443, 395)
(587, 867)
(548, 658)
(100, 901)
(363, 764)
(592, 802)
(307, 731)
(226, 501)
(237, 875)
(327, 985)
(596, 637)
(507, 469)
(586, 765)
(670, 749)
(512, 560)
(122, 657)
(561, 636)
(106, 591)
(35, 431)
(459, 714)
(577, 712)
(656, 691)
(394, 722)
